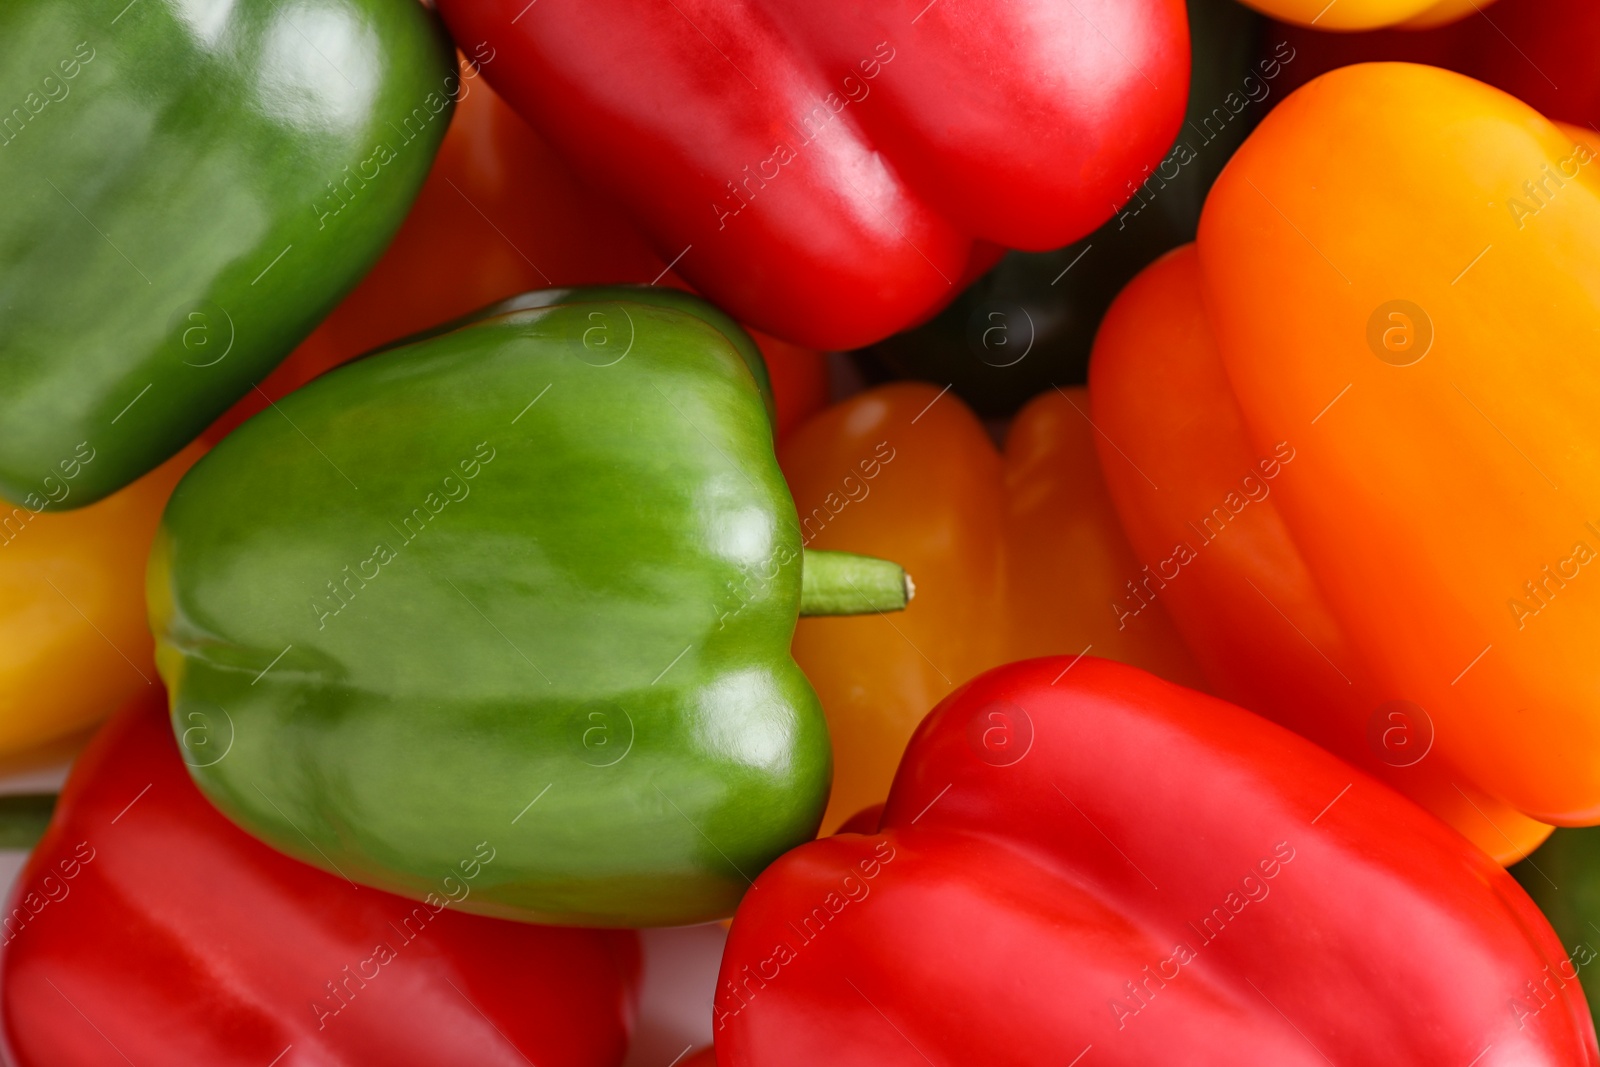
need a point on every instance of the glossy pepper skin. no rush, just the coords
(1016, 554)
(1378, 454)
(499, 214)
(828, 172)
(531, 621)
(1346, 15)
(189, 190)
(146, 924)
(1217, 553)
(1028, 324)
(1540, 51)
(73, 636)
(1100, 864)
(1563, 878)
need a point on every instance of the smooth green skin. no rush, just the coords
(568, 634)
(146, 206)
(742, 342)
(1029, 324)
(1563, 878)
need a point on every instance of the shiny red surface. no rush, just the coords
(1081, 860)
(822, 170)
(147, 929)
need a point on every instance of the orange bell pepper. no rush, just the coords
(500, 214)
(1356, 442)
(74, 645)
(1014, 556)
(1369, 14)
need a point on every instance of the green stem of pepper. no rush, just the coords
(842, 583)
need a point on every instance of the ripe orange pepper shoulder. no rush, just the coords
(1200, 503)
(1357, 318)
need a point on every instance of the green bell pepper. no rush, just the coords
(189, 189)
(527, 581)
(1029, 323)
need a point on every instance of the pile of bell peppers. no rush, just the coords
(447, 534)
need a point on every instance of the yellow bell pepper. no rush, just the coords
(74, 644)
(1014, 556)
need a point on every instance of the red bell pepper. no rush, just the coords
(1541, 51)
(829, 171)
(146, 928)
(1082, 864)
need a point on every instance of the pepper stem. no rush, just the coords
(842, 583)
(23, 818)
